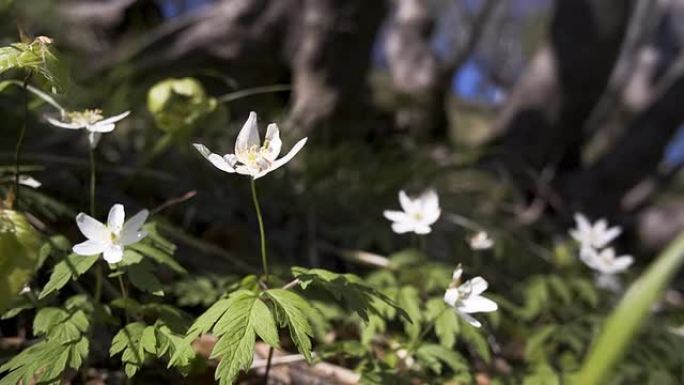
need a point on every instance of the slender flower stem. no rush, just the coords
(98, 271)
(20, 139)
(264, 262)
(262, 234)
(92, 181)
(124, 295)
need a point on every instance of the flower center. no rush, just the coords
(85, 117)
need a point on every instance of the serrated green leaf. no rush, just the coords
(264, 323)
(148, 340)
(409, 300)
(208, 319)
(235, 346)
(433, 354)
(473, 336)
(142, 276)
(348, 289)
(446, 321)
(128, 342)
(294, 309)
(71, 267)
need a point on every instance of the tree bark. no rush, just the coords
(331, 57)
(543, 123)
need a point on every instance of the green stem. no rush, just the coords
(92, 182)
(20, 139)
(262, 235)
(124, 295)
(253, 91)
(264, 261)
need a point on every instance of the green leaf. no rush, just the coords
(622, 325)
(64, 345)
(473, 336)
(294, 309)
(348, 289)
(19, 255)
(160, 254)
(128, 342)
(264, 323)
(235, 346)
(142, 276)
(409, 300)
(433, 355)
(447, 326)
(71, 267)
(206, 321)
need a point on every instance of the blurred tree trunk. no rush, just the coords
(331, 59)
(544, 119)
(423, 81)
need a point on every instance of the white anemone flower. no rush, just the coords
(466, 298)
(597, 235)
(251, 157)
(90, 120)
(480, 241)
(110, 239)
(418, 214)
(605, 261)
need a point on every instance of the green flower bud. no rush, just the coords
(178, 104)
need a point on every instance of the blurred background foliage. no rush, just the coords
(519, 112)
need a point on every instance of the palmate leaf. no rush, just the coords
(409, 300)
(433, 356)
(71, 267)
(128, 342)
(294, 310)
(236, 321)
(348, 289)
(446, 322)
(141, 273)
(64, 345)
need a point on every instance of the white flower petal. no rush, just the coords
(407, 204)
(422, 229)
(402, 227)
(114, 118)
(477, 304)
(29, 181)
(272, 143)
(131, 237)
(429, 200)
(101, 128)
(68, 126)
(90, 247)
(470, 319)
(131, 232)
(451, 296)
(219, 162)
(607, 236)
(113, 254)
(395, 216)
(431, 215)
(248, 137)
(92, 228)
(115, 219)
(295, 149)
(477, 285)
